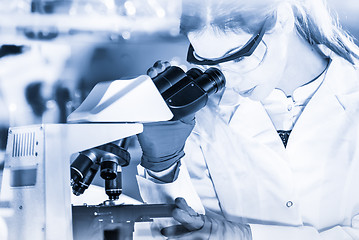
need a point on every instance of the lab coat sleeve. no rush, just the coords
(260, 232)
(153, 191)
(3, 229)
(220, 229)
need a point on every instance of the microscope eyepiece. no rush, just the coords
(186, 93)
(168, 78)
(211, 81)
(194, 73)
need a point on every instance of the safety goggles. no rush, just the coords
(245, 51)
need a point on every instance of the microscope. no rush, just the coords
(43, 163)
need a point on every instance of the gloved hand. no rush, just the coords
(162, 143)
(196, 226)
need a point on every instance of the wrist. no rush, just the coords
(223, 229)
(166, 176)
(159, 164)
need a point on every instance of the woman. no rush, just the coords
(276, 155)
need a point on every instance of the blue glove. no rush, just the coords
(162, 143)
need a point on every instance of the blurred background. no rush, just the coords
(52, 53)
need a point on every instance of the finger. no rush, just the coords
(182, 204)
(152, 72)
(161, 65)
(190, 222)
(173, 231)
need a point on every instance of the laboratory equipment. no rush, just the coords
(36, 183)
(179, 92)
(186, 93)
(36, 178)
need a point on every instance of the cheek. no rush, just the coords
(266, 76)
(233, 79)
(275, 61)
(270, 73)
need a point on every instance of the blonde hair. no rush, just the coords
(318, 25)
(313, 20)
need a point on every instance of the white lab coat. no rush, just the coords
(241, 171)
(3, 229)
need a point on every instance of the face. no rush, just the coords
(254, 76)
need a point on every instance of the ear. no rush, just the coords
(285, 18)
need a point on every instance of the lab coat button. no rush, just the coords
(289, 204)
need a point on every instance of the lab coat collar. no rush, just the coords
(343, 81)
(338, 93)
